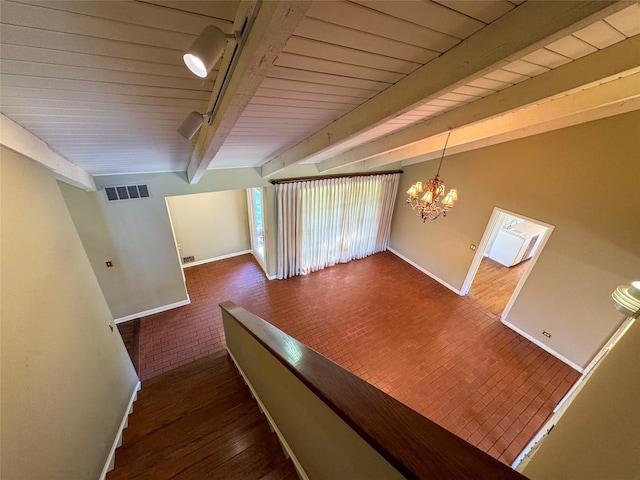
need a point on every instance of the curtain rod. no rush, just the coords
(325, 177)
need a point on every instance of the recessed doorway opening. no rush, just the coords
(507, 252)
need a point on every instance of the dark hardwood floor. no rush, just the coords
(494, 284)
(199, 421)
(130, 333)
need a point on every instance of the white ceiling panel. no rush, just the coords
(429, 15)
(327, 51)
(363, 41)
(546, 58)
(571, 47)
(600, 35)
(104, 85)
(626, 21)
(486, 11)
(371, 20)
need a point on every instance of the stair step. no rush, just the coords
(199, 421)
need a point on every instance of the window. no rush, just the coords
(332, 220)
(256, 212)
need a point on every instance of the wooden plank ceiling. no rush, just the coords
(103, 84)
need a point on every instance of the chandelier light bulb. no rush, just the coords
(430, 206)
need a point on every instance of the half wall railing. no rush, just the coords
(335, 425)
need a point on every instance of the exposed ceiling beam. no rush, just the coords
(612, 61)
(507, 39)
(605, 111)
(274, 24)
(612, 98)
(16, 138)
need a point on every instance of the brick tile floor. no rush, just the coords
(442, 355)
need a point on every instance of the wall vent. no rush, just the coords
(188, 259)
(127, 192)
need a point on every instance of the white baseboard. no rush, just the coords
(111, 459)
(214, 259)
(237, 254)
(285, 446)
(164, 308)
(543, 346)
(426, 272)
(511, 326)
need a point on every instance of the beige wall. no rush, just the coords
(563, 178)
(210, 225)
(599, 435)
(584, 181)
(66, 377)
(136, 234)
(325, 446)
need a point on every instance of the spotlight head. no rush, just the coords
(190, 126)
(205, 52)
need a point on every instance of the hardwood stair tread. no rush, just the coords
(199, 421)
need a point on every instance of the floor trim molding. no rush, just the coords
(546, 348)
(164, 308)
(532, 339)
(111, 458)
(426, 272)
(215, 259)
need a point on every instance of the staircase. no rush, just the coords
(199, 421)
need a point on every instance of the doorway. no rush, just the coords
(507, 252)
(255, 204)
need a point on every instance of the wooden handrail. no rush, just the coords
(413, 444)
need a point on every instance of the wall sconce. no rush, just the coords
(207, 49)
(627, 298)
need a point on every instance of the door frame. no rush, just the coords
(261, 259)
(491, 227)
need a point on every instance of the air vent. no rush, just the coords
(188, 259)
(127, 192)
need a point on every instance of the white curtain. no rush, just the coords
(329, 221)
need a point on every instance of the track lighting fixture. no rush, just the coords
(203, 55)
(206, 50)
(190, 126)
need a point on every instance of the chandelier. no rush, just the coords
(430, 206)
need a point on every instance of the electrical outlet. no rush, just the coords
(546, 334)
(109, 263)
(472, 247)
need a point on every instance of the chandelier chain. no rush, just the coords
(430, 206)
(446, 142)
